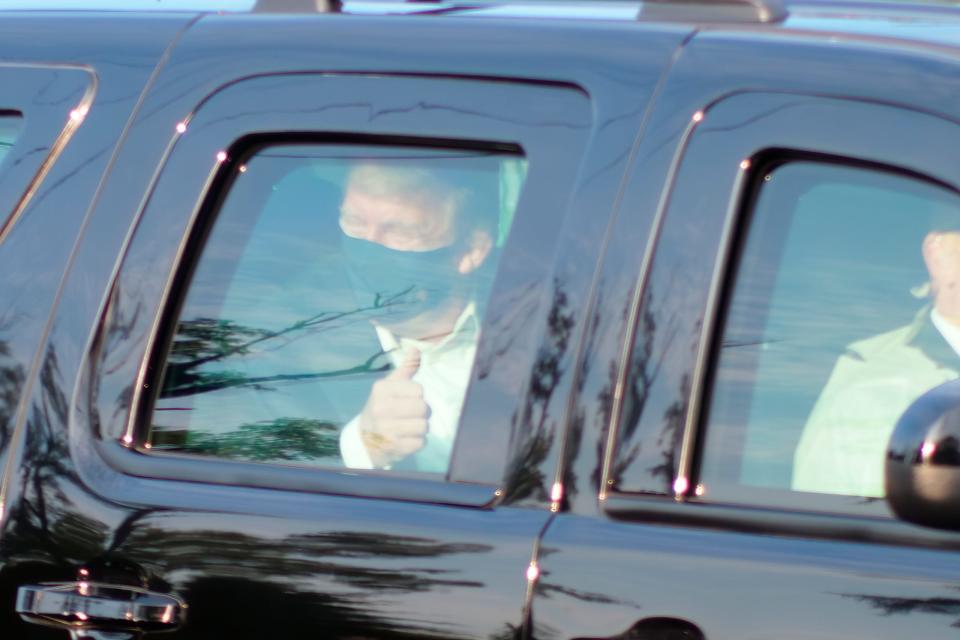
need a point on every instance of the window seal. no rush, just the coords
(874, 529)
(477, 114)
(750, 145)
(388, 485)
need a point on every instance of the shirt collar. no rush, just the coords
(464, 333)
(949, 331)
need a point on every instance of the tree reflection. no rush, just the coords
(525, 476)
(509, 632)
(215, 354)
(45, 536)
(11, 387)
(574, 438)
(202, 341)
(354, 558)
(40, 517)
(658, 384)
(290, 439)
(235, 607)
(605, 402)
(644, 367)
(339, 581)
(671, 436)
(891, 605)
(344, 583)
(546, 589)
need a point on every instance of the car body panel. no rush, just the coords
(683, 584)
(551, 550)
(457, 571)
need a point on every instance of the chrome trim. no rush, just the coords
(710, 320)
(135, 112)
(89, 605)
(389, 485)
(788, 521)
(73, 123)
(632, 321)
(574, 399)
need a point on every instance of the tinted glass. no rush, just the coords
(845, 309)
(9, 130)
(333, 316)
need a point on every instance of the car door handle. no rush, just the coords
(92, 605)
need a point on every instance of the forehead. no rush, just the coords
(369, 198)
(361, 204)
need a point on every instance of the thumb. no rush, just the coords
(408, 366)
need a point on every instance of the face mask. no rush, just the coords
(403, 284)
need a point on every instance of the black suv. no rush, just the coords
(501, 321)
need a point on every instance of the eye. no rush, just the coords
(351, 225)
(406, 234)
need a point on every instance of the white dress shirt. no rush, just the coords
(444, 373)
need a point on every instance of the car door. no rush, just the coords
(725, 479)
(68, 94)
(228, 199)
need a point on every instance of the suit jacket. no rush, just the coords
(843, 445)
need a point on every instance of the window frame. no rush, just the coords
(257, 107)
(45, 128)
(762, 165)
(733, 141)
(239, 153)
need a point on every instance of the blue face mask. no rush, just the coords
(404, 284)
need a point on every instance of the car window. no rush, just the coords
(845, 308)
(10, 127)
(333, 315)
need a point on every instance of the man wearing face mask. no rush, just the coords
(415, 242)
(843, 445)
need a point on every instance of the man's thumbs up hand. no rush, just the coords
(393, 423)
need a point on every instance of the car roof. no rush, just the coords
(937, 24)
(923, 21)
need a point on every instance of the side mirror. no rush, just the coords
(922, 472)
